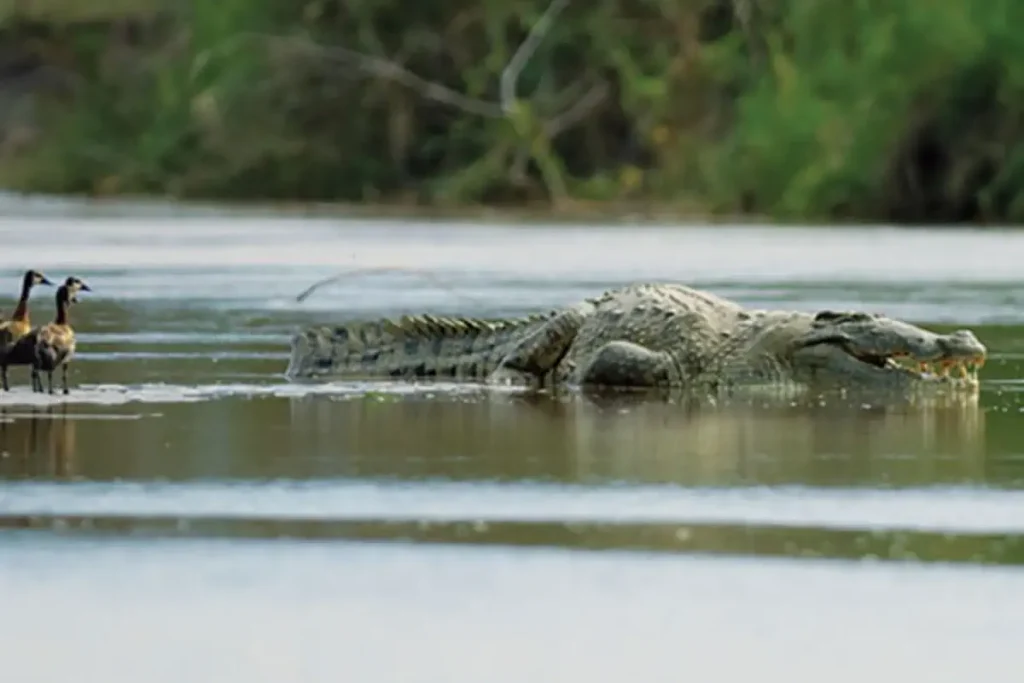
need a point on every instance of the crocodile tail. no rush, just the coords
(410, 346)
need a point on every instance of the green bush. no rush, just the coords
(798, 109)
(883, 110)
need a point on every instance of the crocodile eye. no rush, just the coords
(843, 316)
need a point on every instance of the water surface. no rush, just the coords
(187, 489)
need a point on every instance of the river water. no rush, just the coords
(187, 514)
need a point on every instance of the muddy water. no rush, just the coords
(186, 513)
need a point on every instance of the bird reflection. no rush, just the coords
(37, 443)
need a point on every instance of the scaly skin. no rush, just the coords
(646, 336)
(411, 347)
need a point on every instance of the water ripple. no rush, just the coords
(162, 392)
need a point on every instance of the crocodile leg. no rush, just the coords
(540, 352)
(625, 364)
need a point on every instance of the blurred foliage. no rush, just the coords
(798, 109)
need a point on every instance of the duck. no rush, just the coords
(19, 323)
(51, 346)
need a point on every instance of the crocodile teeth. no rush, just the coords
(947, 370)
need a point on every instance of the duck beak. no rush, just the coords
(85, 288)
(44, 281)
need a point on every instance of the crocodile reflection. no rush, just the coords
(827, 443)
(587, 438)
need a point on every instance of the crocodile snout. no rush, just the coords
(962, 345)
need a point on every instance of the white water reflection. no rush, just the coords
(262, 263)
(159, 611)
(541, 252)
(939, 509)
(162, 392)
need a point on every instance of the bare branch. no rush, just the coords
(306, 293)
(510, 75)
(574, 114)
(504, 108)
(743, 11)
(390, 70)
(518, 168)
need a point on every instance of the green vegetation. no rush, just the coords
(798, 109)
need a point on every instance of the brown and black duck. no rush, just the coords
(19, 324)
(51, 346)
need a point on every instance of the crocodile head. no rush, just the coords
(867, 350)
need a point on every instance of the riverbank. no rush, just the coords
(868, 112)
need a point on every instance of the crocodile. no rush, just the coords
(649, 335)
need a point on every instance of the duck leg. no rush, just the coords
(3, 377)
(64, 376)
(37, 383)
(49, 380)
